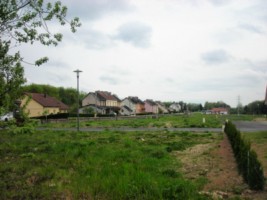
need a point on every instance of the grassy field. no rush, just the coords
(174, 121)
(106, 165)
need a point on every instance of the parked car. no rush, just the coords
(7, 117)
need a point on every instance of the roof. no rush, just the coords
(219, 109)
(127, 108)
(135, 100)
(151, 102)
(47, 101)
(103, 96)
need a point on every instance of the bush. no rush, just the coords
(247, 161)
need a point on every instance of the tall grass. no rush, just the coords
(106, 165)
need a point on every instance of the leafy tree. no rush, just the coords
(218, 104)
(193, 107)
(256, 107)
(25, 21)
(11, 77)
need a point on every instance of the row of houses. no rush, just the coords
(103, 102)
(100, 102)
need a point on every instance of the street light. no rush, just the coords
(78, 120)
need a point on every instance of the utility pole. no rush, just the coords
(78, 105)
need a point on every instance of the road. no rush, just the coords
(251, 126)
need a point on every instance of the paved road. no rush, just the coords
(251, 126)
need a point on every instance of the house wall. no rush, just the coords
(148, 107)
(130, 104)
(175, 107)
(34, 109)
(125, 111)
(89, 99)
(140, 108)
(162, 108)
(112, 103)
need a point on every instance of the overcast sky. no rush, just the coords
(168, 50)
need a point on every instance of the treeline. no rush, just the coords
(256, 107)
(247, 161)
(66, 95)
(218, 104)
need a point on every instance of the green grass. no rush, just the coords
(106, 165)
(257, 137)
(175, 121)
(163, 121)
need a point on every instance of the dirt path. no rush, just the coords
(224, 174)
(215, 161)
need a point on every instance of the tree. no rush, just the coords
(25, 21)
(11, 77)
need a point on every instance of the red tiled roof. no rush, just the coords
(47, 101)
(219, 109)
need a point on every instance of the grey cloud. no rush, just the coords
(135, 33)
(91, 39)
(219, 2)
(94, 9)
(250, 28)
(114, 75)
(109, 80)
(96, 40)
(216, 57)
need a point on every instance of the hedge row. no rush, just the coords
(247, 161)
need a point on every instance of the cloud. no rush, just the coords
(219, 2)
(93, 39)
(251, 28)
(136, 33)
(114, 75)
(109, 80)
(95, 9)
(216, 57)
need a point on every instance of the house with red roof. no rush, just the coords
(37, 104)
(220, 111)
(102, 102)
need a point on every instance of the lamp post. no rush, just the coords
(78, 120)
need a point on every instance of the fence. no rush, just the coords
(248, 164)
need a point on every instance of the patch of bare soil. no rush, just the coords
(216, 162)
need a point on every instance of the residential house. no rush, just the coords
(125, 110)
(102, 102)
(36, 105)
(175, 107)
(220, 111)
(135, 105)
(162, 107)
(151, 106)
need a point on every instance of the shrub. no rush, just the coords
(247, 161)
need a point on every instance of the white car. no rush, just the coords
(7, 117)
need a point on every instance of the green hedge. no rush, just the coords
(247, 161)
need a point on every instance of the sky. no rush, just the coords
(168, 50)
